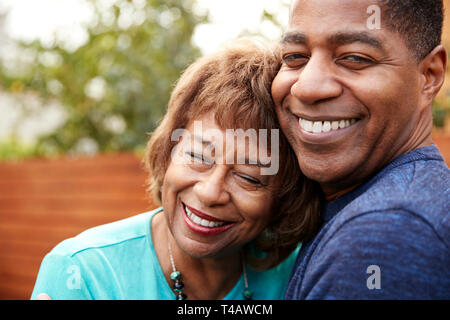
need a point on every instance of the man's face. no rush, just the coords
(346, 95)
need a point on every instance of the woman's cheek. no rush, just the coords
(256, 210)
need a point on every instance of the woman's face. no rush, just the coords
(213, 203)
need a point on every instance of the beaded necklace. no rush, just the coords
(178, 285)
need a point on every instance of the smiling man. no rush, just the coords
(354, 99)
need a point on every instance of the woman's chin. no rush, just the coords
(202, 250)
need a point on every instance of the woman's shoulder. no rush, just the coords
(106, 235)
(286, 265)
(111, 261)
(275, 278)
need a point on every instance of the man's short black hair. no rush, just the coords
(418, 21)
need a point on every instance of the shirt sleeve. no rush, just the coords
(61, 278)
(380, 255)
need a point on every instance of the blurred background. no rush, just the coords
(82, 83)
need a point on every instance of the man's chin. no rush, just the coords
(331, 175)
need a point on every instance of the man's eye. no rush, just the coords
(355, 62)
(295, 60)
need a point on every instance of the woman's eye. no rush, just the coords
(199, 158)
(249, 179)
(295, 60)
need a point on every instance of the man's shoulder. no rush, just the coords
(399, 223)
(404, 202)
(411, 257)
(419, 189)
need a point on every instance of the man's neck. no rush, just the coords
(333, 195)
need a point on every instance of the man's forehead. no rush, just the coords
(326, 9)
(341, 22)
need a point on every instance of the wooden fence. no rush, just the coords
(442, 140)
(43, 202)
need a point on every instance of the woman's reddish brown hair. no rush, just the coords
(235, 84)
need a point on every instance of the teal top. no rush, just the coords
(118, 261)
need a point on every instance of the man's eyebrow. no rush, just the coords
(294, 37)
(338, 39)
(343, 38)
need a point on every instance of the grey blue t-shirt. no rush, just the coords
(387, 239)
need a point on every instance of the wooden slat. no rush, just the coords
(72, 187)
(83, 203)
(71, 216)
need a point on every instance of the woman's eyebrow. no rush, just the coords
(253, 162)
(201, 140)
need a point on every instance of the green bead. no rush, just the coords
(175, 275)
(181, 296)
(178, 286)
(247, 293)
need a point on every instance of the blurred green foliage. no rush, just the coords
(439, 115)
(13, 149)
(115, 87)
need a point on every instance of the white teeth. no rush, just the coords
(317, 127)
(202, 222)
(335, 125)
(324, 126)
(307, 125)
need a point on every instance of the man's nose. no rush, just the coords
(211, 188)
(316, 82)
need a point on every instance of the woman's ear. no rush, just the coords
(432, 69)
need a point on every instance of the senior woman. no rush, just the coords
(226, 229)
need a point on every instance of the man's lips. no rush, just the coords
(325, 132)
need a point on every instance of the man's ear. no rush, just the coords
(432, 68)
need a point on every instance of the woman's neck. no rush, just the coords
(205, 278)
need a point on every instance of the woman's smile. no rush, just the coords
(202, 223)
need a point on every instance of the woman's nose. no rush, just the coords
(316, 82)
(211, 189)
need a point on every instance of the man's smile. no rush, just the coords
(322, 126)
(325, 132)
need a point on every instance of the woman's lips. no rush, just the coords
(201, 214)
(197, 223)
